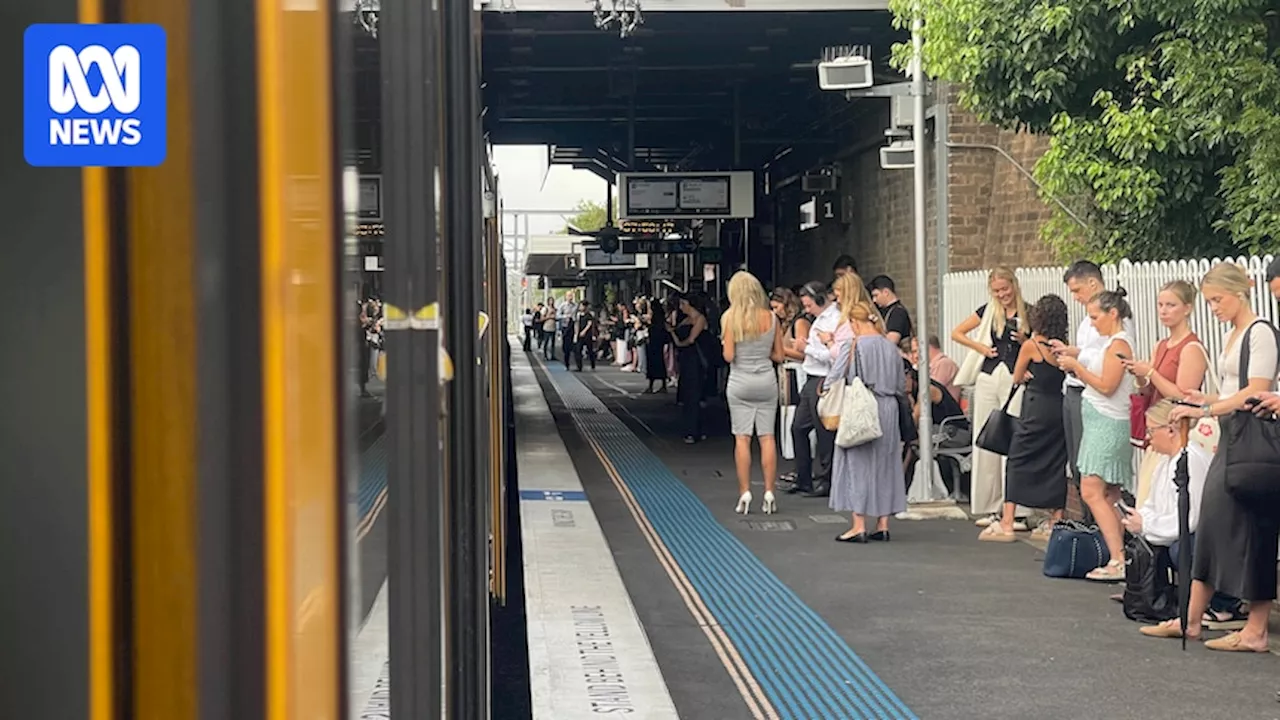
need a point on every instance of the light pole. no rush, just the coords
(922, 290)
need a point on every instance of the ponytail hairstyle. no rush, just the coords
(863, 311)
(1109, 300)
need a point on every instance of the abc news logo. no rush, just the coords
(121, 90)
(95, 95)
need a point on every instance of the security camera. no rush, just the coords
(899, 155)
(850, 72)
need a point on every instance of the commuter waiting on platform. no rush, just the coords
(1084, 281)
(795, 324)
(1002, 325)
(866, 479)
(526, 324)
(548, 340)
(584, 336)
(951, 429)
(1156, 519)
(1105, 461)
(1179, 363)
(693, 363)
(657, 341)
(813, 478)
(752, 344)
(897, 320)
(566, 317)
(843, 265)
(1236, 541)
(1035, 472)
(941, 367)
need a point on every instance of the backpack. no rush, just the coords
(1149, 597)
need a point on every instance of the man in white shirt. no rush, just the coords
(817, 363)
(526, 321)
(1084, 281)
(1157, 519)
(566, 313)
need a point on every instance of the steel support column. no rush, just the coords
(409, 39)
(467, 585)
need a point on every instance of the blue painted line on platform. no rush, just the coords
(554, 495)
(805, 668)
(373, 475)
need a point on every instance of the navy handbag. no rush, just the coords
(1074, 550)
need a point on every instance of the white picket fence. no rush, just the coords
(963, 292)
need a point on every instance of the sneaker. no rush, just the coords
(986, 521)
(1019, 525)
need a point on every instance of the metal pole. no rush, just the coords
(411, 108)
(466, 588)
(942, 200)
(922, 289)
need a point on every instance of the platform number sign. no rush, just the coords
(95, 95)
(828, 210)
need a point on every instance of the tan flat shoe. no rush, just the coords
(995, 533)
(1168, 630)
(1233, 643)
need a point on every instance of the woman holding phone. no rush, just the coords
(1106, 457)
(1006, 316)
(1178, 364)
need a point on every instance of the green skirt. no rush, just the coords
(1104, 448)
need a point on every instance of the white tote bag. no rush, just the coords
(859, 413)
(972, 365)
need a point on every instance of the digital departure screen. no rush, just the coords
(678, 195)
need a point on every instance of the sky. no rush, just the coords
(520, 170)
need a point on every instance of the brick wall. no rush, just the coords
(995, 211)
(994, 215)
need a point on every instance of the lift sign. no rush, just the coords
(94, 95)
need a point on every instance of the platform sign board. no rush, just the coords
(659, 228)
(674, 196)
(653, 247)
(600, 258)
(369, 204)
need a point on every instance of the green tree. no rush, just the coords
(1163, 115)
(590, 216)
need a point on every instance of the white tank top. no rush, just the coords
(1116, 405)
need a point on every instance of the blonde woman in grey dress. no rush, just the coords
(752, 344)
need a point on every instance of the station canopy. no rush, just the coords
(731, 84)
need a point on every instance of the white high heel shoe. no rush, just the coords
(744, 503)
(768, 506)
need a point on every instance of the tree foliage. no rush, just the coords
(590, 216)
(1163, 115)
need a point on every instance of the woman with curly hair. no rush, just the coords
(1036, 472)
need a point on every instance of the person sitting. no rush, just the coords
(951, 429)
(1157, 518)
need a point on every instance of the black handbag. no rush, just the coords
(1149, 597)
(1251, 446)
(997, 434)
(906, 420)
(1074, 550)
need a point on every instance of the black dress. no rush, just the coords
(1036, 472)
(655, 365)
(693, 372)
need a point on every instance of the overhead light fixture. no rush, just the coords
(900, 154)
(850, 72)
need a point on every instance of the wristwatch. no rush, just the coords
(1207, 409)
